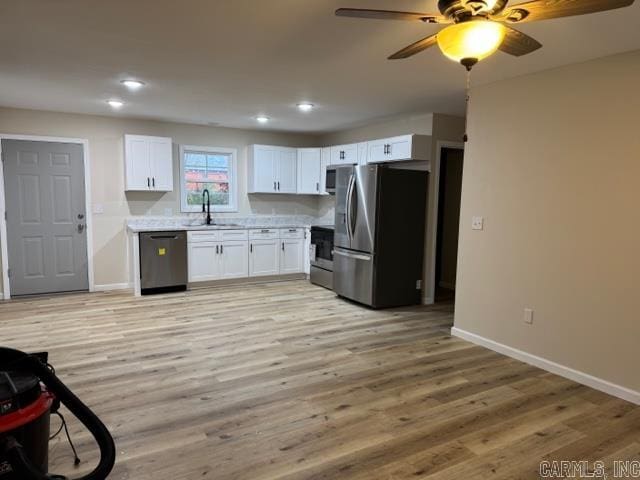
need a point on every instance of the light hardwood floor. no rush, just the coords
(286, 381)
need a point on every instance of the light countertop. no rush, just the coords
(148, 224)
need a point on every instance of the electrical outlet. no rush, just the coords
(477, 223)
(168, 212)
(528, 316)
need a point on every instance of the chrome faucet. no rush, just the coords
(208, 209)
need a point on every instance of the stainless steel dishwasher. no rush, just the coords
(163, 262)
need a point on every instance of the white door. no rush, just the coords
(46, 217)
(399, 148)
(378, 151)
(291, 256)
(309, 167)
(204, 261)
(265, 169)
(287, 167)
(324, 163)
(161, 160)
(234, 259)
(138, 166)
(264, 257)
(344, 154)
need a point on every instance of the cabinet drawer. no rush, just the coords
(233, 235)
(292, 233)
(197, 236)
(263, 234)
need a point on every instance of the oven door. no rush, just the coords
(322, 242)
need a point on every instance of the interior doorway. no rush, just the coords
(45, 228)
(449, 197)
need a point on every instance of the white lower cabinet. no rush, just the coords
(291, 255)
(227, 254)
(234, 259)
(204, 261)
(264, 257)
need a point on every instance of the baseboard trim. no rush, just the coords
(561, 370)
(111, 286)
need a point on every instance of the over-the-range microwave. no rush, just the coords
(330, 180)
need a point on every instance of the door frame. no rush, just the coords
(430, 296)
(4, 252)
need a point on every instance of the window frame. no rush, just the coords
(233, 178)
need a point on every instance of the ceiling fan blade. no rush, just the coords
(517, 43)
(414, 48)
(390, 15)
(547, 9)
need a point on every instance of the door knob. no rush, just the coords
(81, 227)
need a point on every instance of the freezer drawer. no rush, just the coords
(353, 275)
(163, 261)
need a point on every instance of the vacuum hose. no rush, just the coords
(20, 361)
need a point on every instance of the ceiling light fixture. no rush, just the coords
(305, 106)
(262, 119)
(132, 84)
(115, 103)
(472, 40)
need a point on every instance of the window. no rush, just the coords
(210, 168)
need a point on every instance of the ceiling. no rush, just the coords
(226, 61)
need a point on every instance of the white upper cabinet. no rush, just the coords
(287, 170)
(362, 153)
(148, 163)
(394, 149)
(325, 161)
(344, 154)
(309, 170)
(272, 169)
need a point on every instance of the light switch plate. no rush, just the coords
(528, 316)
(98, 208)
(477, 223)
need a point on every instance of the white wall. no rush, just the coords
(105, 135)
(553, 164)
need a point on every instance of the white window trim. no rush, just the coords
(233, 181)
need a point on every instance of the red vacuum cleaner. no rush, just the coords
(29, 393)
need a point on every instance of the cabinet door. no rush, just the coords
(264, 257)
(399, 148)
(362, 153)
(204, 261)
(137, 163)
(161, 159)
(344, 154)
(325, 161)
(309, 167)
(265, 169)
(234, 259)
(287, 168)
(291, 256)
(377, 151)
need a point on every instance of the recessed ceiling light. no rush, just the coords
(132, 84)
(262, 119)
(115, 103)
(305, 106)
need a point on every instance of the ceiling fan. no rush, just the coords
(478, 28)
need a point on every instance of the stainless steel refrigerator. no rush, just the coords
(380, 222)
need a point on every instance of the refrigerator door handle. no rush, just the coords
(356, 256)
(349, 198)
